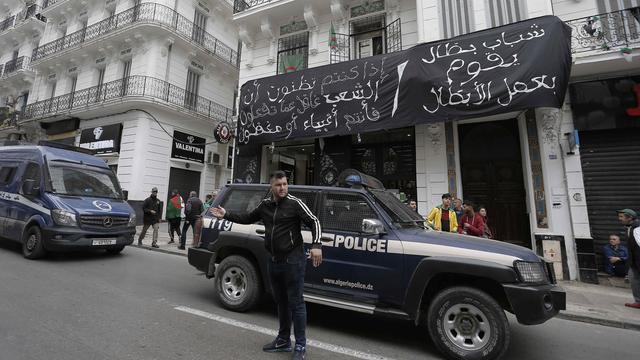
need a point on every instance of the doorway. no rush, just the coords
(492, 176)
(184, 181)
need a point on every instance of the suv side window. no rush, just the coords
(344, 212)
(243, 200)
(308, 198)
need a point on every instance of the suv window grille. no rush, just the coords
(344, 212)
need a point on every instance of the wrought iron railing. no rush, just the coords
(242, 5)
(31, 11)
(144, 13)
(7, 23)
(132, 87)
(9, 119)
(614, 30)
(12, 66)
(47, 3)
(1, 69)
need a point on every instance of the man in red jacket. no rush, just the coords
(470, 223)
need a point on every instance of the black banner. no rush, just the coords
(102, 139)
(189, 147)
(513, 67)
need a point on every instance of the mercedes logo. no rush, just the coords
(107, 222)
(102, 205)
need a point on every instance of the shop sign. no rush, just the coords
(509, 68)
(188, 147)
(222, 133)
(102, 139)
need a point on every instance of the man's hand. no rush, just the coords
(316, 257)
(218, 211)
(152, 211)
(614, 259)
(466, 225)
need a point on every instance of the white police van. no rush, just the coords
(378, 258)
(56, 199)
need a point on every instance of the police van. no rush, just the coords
(379, 258)
(53, 198)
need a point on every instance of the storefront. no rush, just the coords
(187, 163)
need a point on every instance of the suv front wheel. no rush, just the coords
(466, 323)
(238, 285)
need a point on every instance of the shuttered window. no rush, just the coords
(456, 17)
(193, 84)
(503, 12)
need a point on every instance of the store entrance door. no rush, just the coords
(491, 164)
(184, 181)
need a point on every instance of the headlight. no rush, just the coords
(132, 220)
(531, 272)
(64, 217)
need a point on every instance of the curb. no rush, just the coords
(599, 321)
(562, 315)
(147, 247)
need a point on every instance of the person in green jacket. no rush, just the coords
(174, 208)
(443, 217)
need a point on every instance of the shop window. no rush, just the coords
(345, 212)
(503, 12)
(293, 52)
(456, 17)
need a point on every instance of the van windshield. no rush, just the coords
(83, 181)
(400, 213)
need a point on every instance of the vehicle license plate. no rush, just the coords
(103, 242)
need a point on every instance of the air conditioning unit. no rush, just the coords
(213, 158)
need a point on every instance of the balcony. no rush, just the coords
(146, 13)
(242, 5)
(8, 120)
(26, 24)
(16, 76)
(124, 92)
(16, 66)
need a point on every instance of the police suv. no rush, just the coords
(379, 258)
(53, 198)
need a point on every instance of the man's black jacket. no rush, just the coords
(282, 222)
(151, 203)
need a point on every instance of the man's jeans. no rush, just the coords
(185, 228)
(287, 284)
(634, 280)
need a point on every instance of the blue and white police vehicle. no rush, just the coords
(379, 258)
(56, 199)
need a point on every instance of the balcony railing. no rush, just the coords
(31, 11)
(47, 3)
(7, 23)
(8, 119)
(614, 30)
(242, 5)
(143, 13)
(12, 66)
(130, 87)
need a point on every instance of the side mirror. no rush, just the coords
(372, 227)
(125, 195)
(29, 187)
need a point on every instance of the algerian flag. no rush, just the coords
(333, 39)
(291, 62)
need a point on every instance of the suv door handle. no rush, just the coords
(260, 231)
(326, 239)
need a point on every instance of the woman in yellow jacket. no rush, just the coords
(443, 217)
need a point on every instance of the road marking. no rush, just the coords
(263, 330)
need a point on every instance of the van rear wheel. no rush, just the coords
(32, 244)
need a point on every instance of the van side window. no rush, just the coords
(344, 212)
(308, 198)
(243, 200)
(32, 172)
(7, 172)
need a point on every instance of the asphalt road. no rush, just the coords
(150, 305)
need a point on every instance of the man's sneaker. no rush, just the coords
(633, 305)
(299, 352)
(278, 345)
(155, 245)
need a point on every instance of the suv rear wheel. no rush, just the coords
(238, 285)
(466, 323)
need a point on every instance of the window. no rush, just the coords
(368, 36)
(99, 89)
(53, 90)
(74, 83)
(199, 26)
(7, 172)
(456, 17)
(32, 172)
(503, 12)
(243, 200)
(193, 84)
(126, 72)
(345, 212)
(293, 52)
(607, 6)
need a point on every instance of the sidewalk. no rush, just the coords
(596, 304)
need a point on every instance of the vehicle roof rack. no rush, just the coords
(58, 145)
(355, 179)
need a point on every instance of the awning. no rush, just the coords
(514, 67)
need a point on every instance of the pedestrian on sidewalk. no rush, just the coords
(442, 217)
(616, 257)
(489, 233)
(287, 262)
(174, 208)
(152, 209)
(457, 208)
(629, 218)
(414, 206)
(471, 222)
(192, 211)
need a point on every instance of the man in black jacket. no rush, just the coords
(629, 218)
(192, 211)
(152, 209)
(282, 215)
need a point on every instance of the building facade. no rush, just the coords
(143, 83)
(527, 168)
